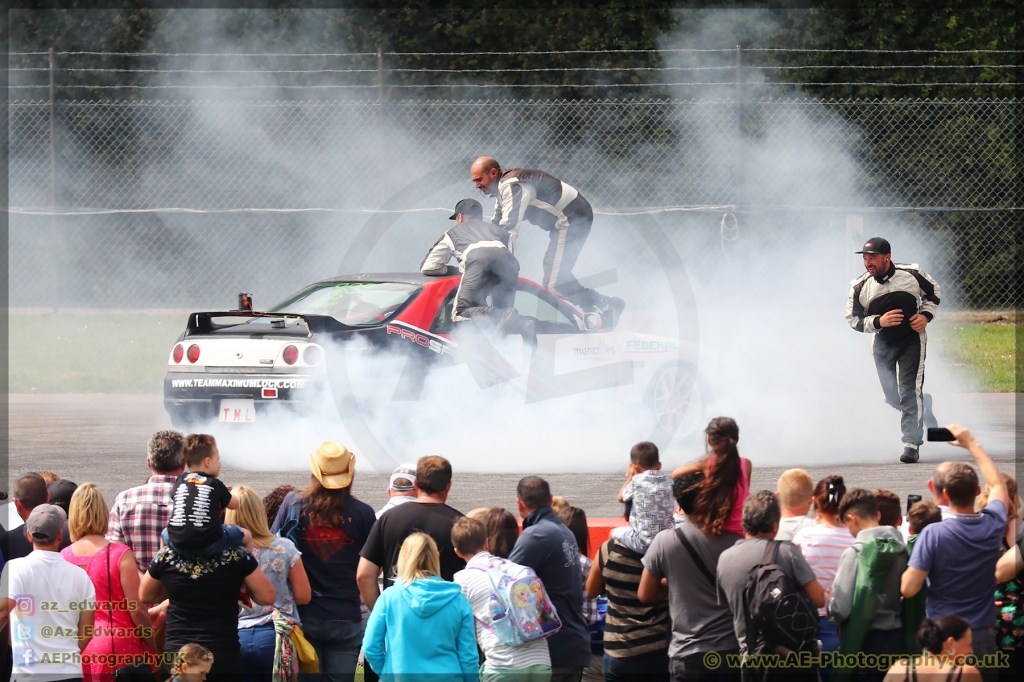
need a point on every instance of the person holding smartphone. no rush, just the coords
(895, 302)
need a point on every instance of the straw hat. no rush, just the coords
(333, 465)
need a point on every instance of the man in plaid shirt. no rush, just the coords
(140, 514)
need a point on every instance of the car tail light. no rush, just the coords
(269, 392)
(193, 353)
(179, 353)
(311, 355)
(291, 354)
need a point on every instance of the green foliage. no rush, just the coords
(532, 26)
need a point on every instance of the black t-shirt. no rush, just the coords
(195, 519)
(204, 596)
(391, 530)
(15, 543)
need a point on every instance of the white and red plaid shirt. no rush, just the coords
(139, 515)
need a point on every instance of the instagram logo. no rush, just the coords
(24, 604)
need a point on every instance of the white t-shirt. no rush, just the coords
(477, 587)
(394, 502)
(49, 595)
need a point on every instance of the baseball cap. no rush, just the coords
(60, 493)
(45, 522)
(875, 245)
(406, 471)
(467, 207)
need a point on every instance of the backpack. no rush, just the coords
(875, 562)
(914, 608)
(777, 608)
(521, 611)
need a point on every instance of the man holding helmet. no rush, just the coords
(895, 302)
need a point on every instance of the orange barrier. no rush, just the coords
(599, 530)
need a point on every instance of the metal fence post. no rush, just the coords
(738, 179)
(381, 137)
(55, 264)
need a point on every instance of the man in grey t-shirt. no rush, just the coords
(760, 523)
(699, 622)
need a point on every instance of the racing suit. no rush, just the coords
(552, 205)
(487, 266)
(899, 351)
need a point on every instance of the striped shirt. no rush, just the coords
(477, 587)
(823, 546)
(631, 628)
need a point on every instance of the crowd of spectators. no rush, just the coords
(186, 579)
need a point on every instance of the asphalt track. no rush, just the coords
(102, 438)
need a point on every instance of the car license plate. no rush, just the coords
(238, 410)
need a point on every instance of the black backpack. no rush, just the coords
(778, 612)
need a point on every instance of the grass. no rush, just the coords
(126, 352)
(982, 346)
(101, 352)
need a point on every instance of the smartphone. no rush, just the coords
(940, 434)
(912, 500)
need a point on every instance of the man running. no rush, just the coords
(544, 200)
(895, 302)
(487, 265)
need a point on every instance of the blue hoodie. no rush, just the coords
(422, 628)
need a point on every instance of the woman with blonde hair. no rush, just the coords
(420, 602)
(111, 567)
(282, 564)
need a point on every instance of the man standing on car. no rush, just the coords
(895, 302)
(554, 206)
(487, 265)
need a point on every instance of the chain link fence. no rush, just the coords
(185, 203)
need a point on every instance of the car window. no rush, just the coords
(530, 304)
(443, 320)
(351, 303)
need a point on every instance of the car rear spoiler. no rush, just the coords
(203, 323)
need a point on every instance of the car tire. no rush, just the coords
(677, 396)
(183, 417)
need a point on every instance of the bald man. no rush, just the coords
(552, 205)
(937, 487)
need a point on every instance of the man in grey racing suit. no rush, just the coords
(554, 206)
(895, 302)
(488, 268)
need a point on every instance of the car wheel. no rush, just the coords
(677, 400)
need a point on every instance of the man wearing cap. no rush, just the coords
(401, 487)
(60, 492)
(50, 604)
(526, 194)
(895, 302)
(487, 266)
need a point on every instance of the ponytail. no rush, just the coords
(717, 494)
(934, 633)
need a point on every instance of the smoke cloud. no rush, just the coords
(765, 291)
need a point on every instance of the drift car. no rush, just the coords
(233, 365)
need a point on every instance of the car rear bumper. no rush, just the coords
(196, 392)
